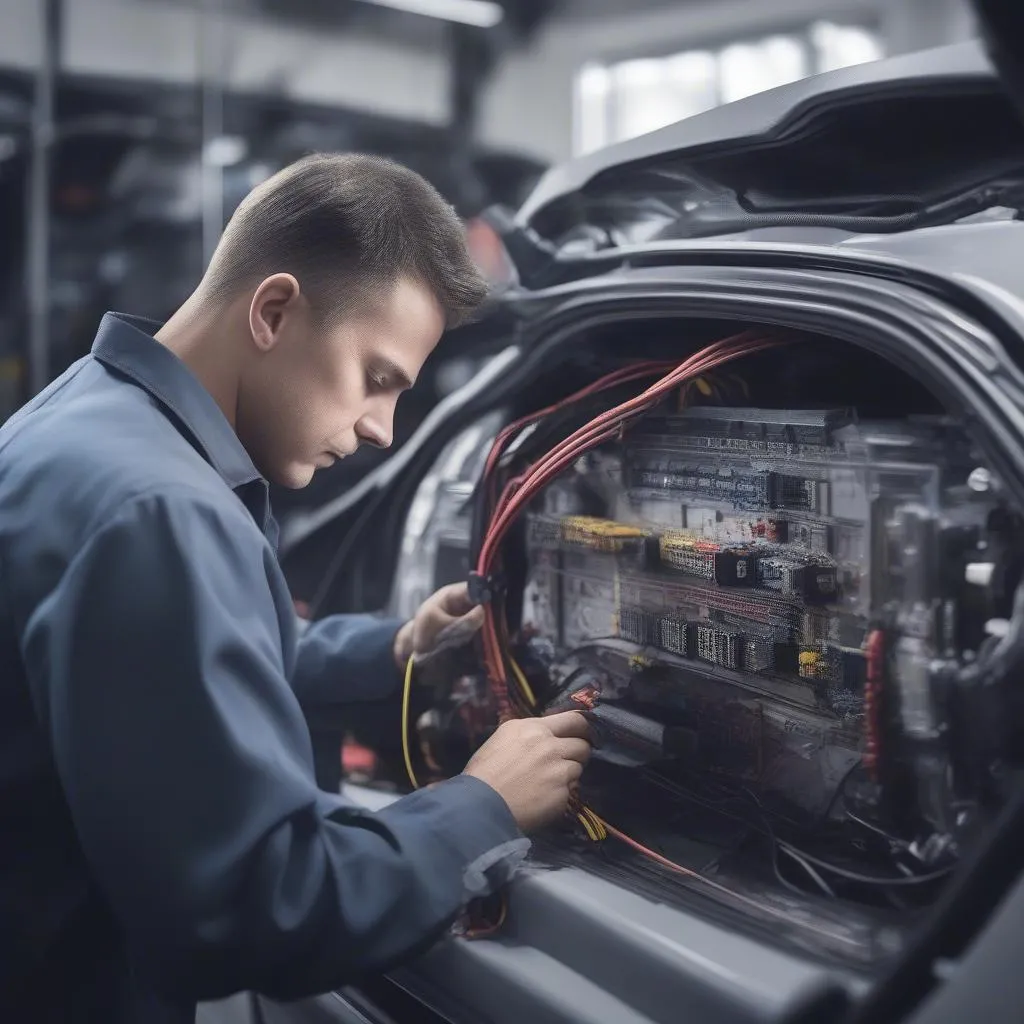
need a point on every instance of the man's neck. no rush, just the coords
(203, 343)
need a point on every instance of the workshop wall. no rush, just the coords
(162, 41)
(541, 80)
(527, 106)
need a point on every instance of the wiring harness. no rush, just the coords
(517, 493)
(503, 502)
(521, 490)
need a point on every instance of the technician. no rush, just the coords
(162, 838)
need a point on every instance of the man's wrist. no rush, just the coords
(403, 644)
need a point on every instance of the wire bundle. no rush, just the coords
(526, 701)
(520, 490)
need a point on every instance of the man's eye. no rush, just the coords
(379, 381)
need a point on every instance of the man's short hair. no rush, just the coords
(348, 227)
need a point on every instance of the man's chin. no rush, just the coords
(295, 477)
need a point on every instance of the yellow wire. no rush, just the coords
(521, 679)
(406, 691)
(593, 824)
(588, 828)
(524, 684)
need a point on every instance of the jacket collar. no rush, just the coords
(126, 344)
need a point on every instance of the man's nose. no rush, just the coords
(372, 430)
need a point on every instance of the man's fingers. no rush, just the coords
(474, 618)
(454, 599)
(575, 749)
(568, 723)
(461, 629)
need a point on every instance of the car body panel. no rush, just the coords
(759, 116)
(579, 949)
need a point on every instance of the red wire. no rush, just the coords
(576, 444)
(519, 491)
(690, 873)
(606, 426)
(484, 930)
(626, 374)
(635, 371)
(874, 648)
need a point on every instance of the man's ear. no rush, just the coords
(274, 300)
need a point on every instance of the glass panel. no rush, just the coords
(643, 100)
(842, 46)
(748, 68)
(593, 86)
(623, 100)
(693, 79)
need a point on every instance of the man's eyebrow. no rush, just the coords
(395, 373)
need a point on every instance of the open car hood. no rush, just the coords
(897, 144)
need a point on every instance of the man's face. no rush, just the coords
(312, 397)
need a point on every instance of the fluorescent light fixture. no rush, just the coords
(225, 150)
(479, 13)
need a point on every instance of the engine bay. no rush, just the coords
(781, 622)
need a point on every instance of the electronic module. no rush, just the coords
(771, 592)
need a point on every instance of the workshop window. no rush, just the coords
(617, 101)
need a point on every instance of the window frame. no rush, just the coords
(798, 29)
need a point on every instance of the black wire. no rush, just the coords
(818, 880)
(812, 874)
(766, 832)
(840, 789)
(815, 877)
(780, 877)
(878, 831)
(726, 795)
(855, 876)
(801, 827)
(702, 801)
(795, 852)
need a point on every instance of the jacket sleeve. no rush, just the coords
(347, 659)
(156, 669)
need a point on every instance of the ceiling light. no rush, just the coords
(479, 13)
(225, 150)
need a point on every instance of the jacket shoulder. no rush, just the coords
(72, 461)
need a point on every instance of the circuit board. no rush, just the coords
(730, 570)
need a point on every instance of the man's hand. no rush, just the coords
(446, 615)
(535, 764)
